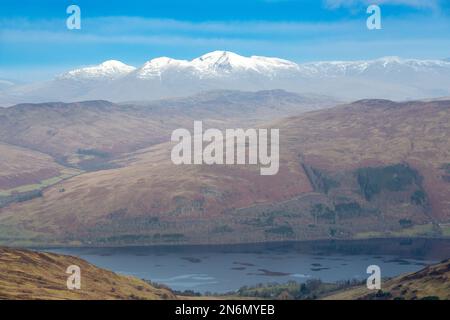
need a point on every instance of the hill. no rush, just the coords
(374, 168)
(81, 132)
(25, 172)
(431, 282)
(29, 275)
(42, 144)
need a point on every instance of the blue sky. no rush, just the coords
(35, 44)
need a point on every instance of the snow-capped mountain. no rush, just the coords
(380, 66)
(215, 64)
(388, 78)
(108, 70)
(219, 63)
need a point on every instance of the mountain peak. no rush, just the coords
(220, 61)
(393, 78)
(227, 62)
(156, 66)
(391, 59)
(110, 69)
(113, 64)
(219, 55)
(164, 61)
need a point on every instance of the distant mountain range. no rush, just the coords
(389, 77)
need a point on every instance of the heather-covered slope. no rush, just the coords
(28, 275)
(79, 132)
(431, 282)
(42, 144)
(373, 168)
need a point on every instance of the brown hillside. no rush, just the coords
(373, 168)
(20, 166)
(431, 282)
(103, 129)
(28, 275)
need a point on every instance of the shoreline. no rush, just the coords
(228, 245)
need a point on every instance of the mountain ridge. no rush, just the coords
(111, 69)
(217, 61)
(389, 77)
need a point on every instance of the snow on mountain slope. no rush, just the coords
(223, 62)
(156, 67)
(383, 66)
(215, 64)
(389, 78)
(111, 70)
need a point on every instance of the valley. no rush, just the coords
(224, 150)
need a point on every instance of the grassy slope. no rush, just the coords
(30, 275)
(23, 169)
(432, 281)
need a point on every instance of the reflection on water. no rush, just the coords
(227, 268)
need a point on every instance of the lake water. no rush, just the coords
(222, 269)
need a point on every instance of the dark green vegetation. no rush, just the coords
(310, 290)
(292, 290)
(446, 172)
(286, 231)
(93, 152)
(19, 197)
(129, 239)
(320, 181)
(372, 181)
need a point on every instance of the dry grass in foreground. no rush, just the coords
(32, 275)
(430, 283)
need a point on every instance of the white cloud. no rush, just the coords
(425, 4)
(123, 25)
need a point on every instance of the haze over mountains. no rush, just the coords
(389, 78)
(5, 84)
